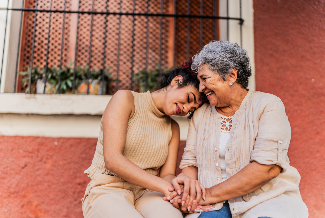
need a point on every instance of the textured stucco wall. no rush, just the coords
(289, 61)
(43, 177)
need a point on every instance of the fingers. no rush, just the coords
(207, 208)
(177, 187)
(184, 205)
(198, 188)
(186, 191)
(175, 201)
(203, 191)
(192, 194)
(172, 195)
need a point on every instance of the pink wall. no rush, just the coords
(43, 177)
(289, 41)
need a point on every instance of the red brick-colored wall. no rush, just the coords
(43, 177)
(289, 58)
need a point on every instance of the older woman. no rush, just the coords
(237, 145)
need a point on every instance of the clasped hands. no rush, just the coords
(187, 194)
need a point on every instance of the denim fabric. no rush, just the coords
(224, 212)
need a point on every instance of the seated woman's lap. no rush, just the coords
(288, 206)
(119, 203)
(152, 205)
(224, 212)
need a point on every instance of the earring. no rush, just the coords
(230, 83)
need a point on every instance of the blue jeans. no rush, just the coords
(224, 212)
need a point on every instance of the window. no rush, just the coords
(101, 46)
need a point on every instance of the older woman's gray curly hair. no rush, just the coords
(222, 57)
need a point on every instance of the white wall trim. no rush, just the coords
(234, 30)
(20, 103)
(57, 115)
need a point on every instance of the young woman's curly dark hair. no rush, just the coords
(189, 78)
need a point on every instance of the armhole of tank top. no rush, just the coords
(171, 131)
(135, 107)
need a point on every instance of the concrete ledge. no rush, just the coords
(57, 115)
(19, 103)
(80, 126)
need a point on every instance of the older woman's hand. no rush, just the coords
(193, 190)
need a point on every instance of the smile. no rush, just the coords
(209, 93)
(178, 110)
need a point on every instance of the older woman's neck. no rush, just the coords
(235, 101)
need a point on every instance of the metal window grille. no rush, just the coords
(126, 36)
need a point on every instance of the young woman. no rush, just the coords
(137, 138)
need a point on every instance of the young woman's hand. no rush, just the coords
(193, 190)
(167, 189)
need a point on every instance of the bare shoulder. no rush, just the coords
(123, 95)
(122, 101)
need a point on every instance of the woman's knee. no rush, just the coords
(152, 205)
(112, 203)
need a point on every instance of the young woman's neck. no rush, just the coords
(158, 98)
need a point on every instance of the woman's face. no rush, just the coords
(214, 87)
(181, 101)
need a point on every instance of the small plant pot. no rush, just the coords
(50, 88)
(95, 87)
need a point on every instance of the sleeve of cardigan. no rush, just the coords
(273, 138)
(189, 157)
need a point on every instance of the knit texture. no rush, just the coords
(147, 139)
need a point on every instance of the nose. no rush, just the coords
(186, 108)
(201, 87)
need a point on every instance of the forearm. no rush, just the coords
(249, 179)
(168, 178)
(191, 171)
(130, 172)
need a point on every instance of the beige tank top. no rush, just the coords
(147, 139)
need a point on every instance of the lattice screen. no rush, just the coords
(194, 28)
(131, 33)
(41, 35)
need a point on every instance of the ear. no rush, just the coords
(176, 81)
(232, 77)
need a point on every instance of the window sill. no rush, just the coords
(20, 103)
(57, 115)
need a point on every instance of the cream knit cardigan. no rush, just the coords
(261, 132)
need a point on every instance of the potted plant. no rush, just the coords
(97, 83)
(36, 76)
(60, 80)
(148, 79)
